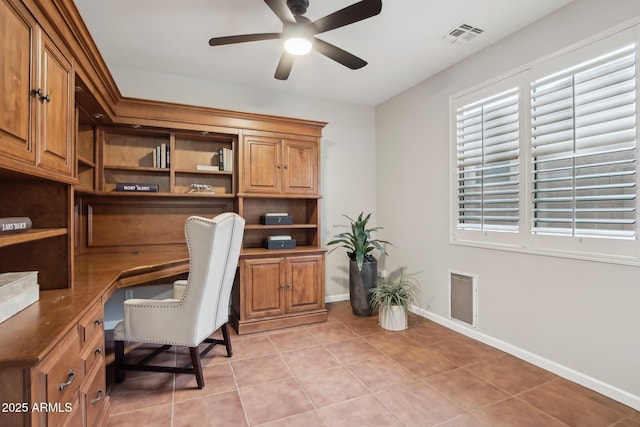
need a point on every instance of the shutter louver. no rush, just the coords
(488, 164)
(583, 149)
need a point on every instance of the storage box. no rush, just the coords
(276, 219)
(18, 290)
(280, 244)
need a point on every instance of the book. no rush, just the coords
(228, 159)
(163, 155)
(221, 159)
(207, 168)
(168, 152)
(276, 214)
(15, 225)
(137, 187)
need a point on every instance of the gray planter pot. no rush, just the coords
(360, 281)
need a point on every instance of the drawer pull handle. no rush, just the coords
(97, 351)
(98, 398)
(98, 321)
(70, 378)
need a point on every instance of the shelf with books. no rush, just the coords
(124, 147)
(202, 152)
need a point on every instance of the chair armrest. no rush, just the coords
(179, 286)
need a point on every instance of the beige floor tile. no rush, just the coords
(274, 400)
(331, 386)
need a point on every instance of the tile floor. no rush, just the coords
(350, 372)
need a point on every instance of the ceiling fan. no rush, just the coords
(298, 32)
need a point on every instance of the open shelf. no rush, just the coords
(31, 235)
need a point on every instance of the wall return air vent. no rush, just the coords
(462, 33)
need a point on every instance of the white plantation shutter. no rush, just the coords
(487, 152)
(583, 149)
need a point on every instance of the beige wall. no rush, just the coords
(579, 318)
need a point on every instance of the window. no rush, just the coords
(546, 160)
(583, 149)
(487, 163)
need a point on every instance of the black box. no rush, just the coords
(276, 219)
(279, 244)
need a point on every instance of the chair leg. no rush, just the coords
(197, 367)
(119, 360)
(227, 340)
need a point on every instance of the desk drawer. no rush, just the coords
(62, 372)
(92, 323)
(95, 394)
(93, 353)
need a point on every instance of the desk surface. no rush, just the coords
(28, 336)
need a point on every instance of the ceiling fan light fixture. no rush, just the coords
(297, 45)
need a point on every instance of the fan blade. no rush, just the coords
(280, 8)
(284, 66)
(219, 41)
(350, 14)
(341, 56)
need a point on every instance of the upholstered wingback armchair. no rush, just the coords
(200, 304)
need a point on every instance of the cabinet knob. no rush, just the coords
(281, 286)
(40, 94)
(97, 351)
(288, 285)
(279, 166)
(286, 166)
(98, 321)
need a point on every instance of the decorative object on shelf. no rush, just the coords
(279, 242)
(363, 266)
(276, 218)
(137, 187)
(392, 297)
(18, 290)
(201, 188)
(15, 225)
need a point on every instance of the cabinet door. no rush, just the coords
(17, 73)
(262, 285)
(300, 167)
(304, 285)
(55, 147)
(261, 165)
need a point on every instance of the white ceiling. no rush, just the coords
(403, 45)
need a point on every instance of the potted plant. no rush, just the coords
(392, 297)
(363, 266)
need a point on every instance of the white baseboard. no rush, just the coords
(558, 369)
(336, 298)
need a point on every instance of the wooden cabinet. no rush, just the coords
(66, 386)
(283, 287)
(36, 81)
(279, 165)
(278, 291)
(18, 39)
(54, 109)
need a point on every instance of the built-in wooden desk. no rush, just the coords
(62, 332)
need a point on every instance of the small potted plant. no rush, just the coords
(392, 297)
(363, 266)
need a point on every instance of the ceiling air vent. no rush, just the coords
(462, 32)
